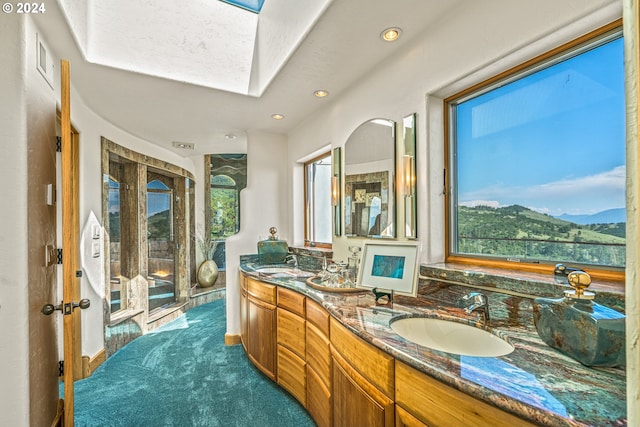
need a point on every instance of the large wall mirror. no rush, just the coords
(369, 177)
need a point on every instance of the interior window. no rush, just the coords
(318, 208)
(227, 177)
(536, 160)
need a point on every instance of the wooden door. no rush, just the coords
(70, 245)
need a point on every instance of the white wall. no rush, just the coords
(14, 310)
(466, 46)
(91, 128)
(632, 292)
(263, 204)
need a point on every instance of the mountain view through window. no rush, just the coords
(539, 163)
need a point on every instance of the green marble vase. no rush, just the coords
(589, 332)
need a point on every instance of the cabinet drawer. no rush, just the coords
(292, 374)
(319, 353)
(375, 365)
(318, 399)
(292, 332)
(438, 405)
(292, 301)
(318, 316)
(262, 291)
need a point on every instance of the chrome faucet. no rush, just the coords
(475, 301)
(292, 259)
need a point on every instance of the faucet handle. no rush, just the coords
(471, 297)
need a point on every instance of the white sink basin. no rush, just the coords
(451, 337)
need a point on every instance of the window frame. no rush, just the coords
(307, 226)
(540, 61)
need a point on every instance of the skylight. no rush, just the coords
(252, 5)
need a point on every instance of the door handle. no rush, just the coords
(49, 309)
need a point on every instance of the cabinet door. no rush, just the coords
(356, 402)
(262, 336)
(405, 419)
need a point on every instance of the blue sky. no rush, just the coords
(553, 142)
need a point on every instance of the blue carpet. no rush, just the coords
(183, 375)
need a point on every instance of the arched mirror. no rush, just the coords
(369, 177)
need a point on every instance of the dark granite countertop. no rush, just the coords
(534, 382)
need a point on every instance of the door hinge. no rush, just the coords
(61, 368)
(58, 144)
(59, 256)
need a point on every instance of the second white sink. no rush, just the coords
(451, 337)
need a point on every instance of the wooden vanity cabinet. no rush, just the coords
(342, 380)
(425, 401)
(318, 365)
(261, 326)
(362, 383)
(292, 366)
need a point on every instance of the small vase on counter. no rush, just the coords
(579, 327)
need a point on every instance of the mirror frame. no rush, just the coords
(336, 191)
(409, 176)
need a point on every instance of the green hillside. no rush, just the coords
(518, 232)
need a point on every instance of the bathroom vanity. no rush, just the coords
(339, 357)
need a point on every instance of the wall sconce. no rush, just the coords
(409, 175)
(336, 185)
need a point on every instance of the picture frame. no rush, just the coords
(389, 266)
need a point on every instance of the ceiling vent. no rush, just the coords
(184, 145)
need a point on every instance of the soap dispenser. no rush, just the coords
(272, 250)
(576, 325)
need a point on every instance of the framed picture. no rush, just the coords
(389, 266)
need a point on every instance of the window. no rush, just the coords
(317, 190)
(227, 177)
(536, 160)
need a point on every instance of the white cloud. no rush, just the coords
(580, 195)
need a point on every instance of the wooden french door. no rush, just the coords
(70, 243)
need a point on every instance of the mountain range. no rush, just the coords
(610, 216)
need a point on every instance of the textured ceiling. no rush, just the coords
(330, 53)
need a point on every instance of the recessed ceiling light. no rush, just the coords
(184, 145)
(390, 34)
(230, 136)
(320, 93)
(277, 116)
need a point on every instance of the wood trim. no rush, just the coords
(594, 271)
(232, 339)
(304, 195)
(59, 418)
(69, 239)
(143, 159)
(612, 26)
(89, 364)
